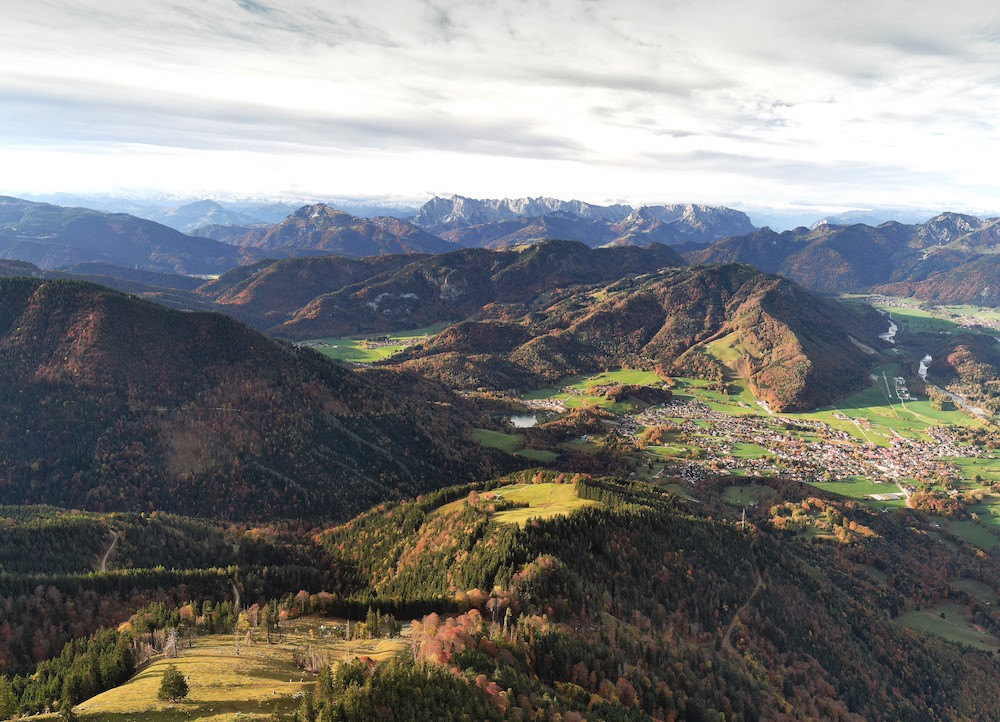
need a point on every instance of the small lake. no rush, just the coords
(523, 421)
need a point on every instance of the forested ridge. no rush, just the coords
(619, 611)
(798, 348)
(111, 403)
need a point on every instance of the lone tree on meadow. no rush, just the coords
(173, 686)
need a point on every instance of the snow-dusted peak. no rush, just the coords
(460, 210)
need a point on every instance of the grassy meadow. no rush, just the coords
(224, 686)
(543, 500)
(573, 391)
(354, 349)
(953, 626)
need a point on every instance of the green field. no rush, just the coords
(973, 532)
(977, 589)
(954, 627)
(578, 397)
(858, 488)
(740, 403)
(884, 413)
(353, 349)
(749, 451)
(746, 495)
(729, 352)
(675, 451)
(681, 490)
(970, 467)
(263, 678)
(543, 455)
(935, 319)
(498, 440)
(544, 501)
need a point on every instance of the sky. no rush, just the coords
(776, 103)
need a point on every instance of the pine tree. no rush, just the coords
(8, 702)
(173, 686)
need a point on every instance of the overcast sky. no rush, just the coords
(743, 102)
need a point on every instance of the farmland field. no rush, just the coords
(357, 349)
(573, 391)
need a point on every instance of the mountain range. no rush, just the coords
(51, 236)
(189, 217)
(213, 239)
(837, 259)
(324, 230)
(496, 223)
(798, 351)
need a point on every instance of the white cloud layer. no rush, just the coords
(754, 101)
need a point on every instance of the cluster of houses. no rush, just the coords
(823, 453)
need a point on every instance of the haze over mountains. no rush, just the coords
(926, 260)
(52, 236)
(835, 259)
(189, 217)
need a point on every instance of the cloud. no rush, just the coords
(764, 91)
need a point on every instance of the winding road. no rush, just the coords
(104, 559)
(726, 643)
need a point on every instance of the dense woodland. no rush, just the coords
(113, 404)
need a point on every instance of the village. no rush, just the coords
(810, 450)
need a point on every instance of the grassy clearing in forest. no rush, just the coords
(952, 627)
(544, 501)
(542, 455)
(224, 686)
(354, 349)
(746, 495)
(974, 588)
(498, 440)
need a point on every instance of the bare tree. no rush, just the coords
(170, 646)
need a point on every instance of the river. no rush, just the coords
(890, 335)
(922, 371)
(960, 400)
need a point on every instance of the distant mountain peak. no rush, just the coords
(460, 210)
(500, 222)
(187, 218)
(319, 228)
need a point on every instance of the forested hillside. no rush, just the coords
(648, 607)
(797, 348)
(110, 403)
(453, 286)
